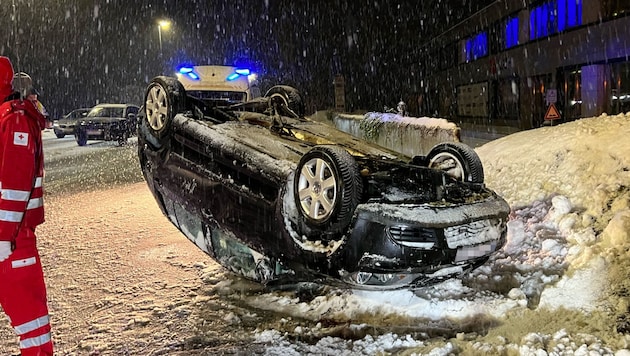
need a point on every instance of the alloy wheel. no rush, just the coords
(317, 189)
(156, 107)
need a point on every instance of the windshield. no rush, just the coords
(75, 114)
(106, 112)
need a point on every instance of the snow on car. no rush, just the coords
(276, 197)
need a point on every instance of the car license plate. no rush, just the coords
(470, 252)
(94, 132)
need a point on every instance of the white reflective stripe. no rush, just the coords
(32, 325)
(38, 182)
(10, 216)
(23, 262)
(35, 203)
(16, 195)
(35, 341)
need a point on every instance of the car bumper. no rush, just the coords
(64, 130)
(418, 245)
(102, 132)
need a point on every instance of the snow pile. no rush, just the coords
(557, 285)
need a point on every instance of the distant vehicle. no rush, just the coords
(65, 125)
(109, 122)
(221, 85)
(276, 197)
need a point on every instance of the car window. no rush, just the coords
(106, 112)
(76, 114)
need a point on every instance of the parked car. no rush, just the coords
(276, 197)
(109, 122)
(65, 125)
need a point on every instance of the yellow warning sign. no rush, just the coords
(552, 113)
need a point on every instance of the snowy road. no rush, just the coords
(121, 280)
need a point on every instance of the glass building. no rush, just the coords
(507, 64)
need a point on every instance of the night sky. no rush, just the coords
(80, 53)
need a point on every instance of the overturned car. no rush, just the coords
(276, 197)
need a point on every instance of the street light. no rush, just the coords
(162, 24)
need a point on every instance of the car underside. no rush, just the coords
(277, 198)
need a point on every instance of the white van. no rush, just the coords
(219, 83)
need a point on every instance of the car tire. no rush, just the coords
(60, 134)
(81, 136)
(458, 160)
(165, 97)
(327, 189)
(288, 98)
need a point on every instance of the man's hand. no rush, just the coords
(5, 250)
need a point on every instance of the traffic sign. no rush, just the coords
(552, 113)
(551, 96)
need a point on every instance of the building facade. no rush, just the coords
(507, 64)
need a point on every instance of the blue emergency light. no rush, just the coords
(189, 72)
(238, 72)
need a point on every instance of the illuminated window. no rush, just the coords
(511, 32)
(476, 46)
(554, 16)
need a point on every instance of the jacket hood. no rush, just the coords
(6, 77)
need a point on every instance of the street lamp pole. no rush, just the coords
(162, 24)
(160, 37)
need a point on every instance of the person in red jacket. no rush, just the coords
(22, 286)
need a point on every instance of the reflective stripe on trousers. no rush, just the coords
(23, 296)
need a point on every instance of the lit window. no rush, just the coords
(554, 16)
(511, 33)
(476, 46)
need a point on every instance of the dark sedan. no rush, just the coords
(108, 122)
(276, 197)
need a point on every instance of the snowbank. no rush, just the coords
(559, 286)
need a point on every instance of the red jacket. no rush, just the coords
(21, 166)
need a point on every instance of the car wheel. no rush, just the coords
(60, 134)
(458, 160)
(288, 98)
(81, 136)
(327, 189)
(164, 98)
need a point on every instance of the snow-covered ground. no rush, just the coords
(559, 286)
